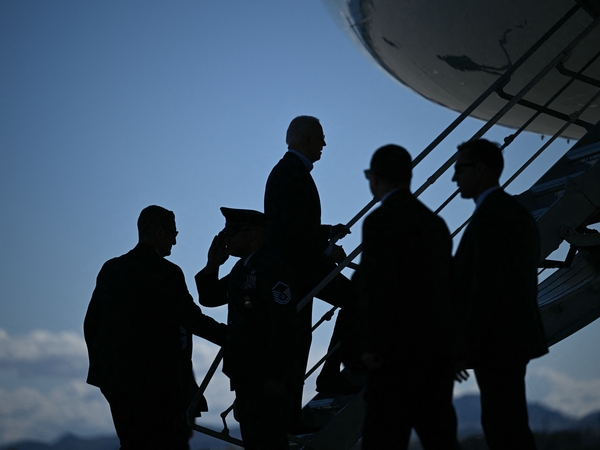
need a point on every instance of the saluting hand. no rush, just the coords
(217, 253)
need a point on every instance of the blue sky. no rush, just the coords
(107, 107)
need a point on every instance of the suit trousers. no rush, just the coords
(147, 420)
(339, 292)
(504, 415)
(398, 400)
(263, 420)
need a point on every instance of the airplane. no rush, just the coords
(450, 53)
(517, 64)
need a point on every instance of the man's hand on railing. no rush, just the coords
(340, 230)
(337, 254)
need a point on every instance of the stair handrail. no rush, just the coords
(501, 81)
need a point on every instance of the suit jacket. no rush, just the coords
(404, 278)
(496, 280)
(262, 324)
(293, 207)
(138, 324)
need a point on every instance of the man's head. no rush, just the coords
(156, 227)
(478, 167)
(305, 135)
(391, 168)
(245, 231)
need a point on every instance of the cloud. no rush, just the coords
(44, 393)
(552, 388)
(44, 353)
(30, 413)
(564, 393)
(48, 395)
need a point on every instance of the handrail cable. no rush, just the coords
(564, 54)
(509, 139)
(574, 117)
(503, 79)
(500, 82)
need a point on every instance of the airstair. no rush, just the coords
(565, 203)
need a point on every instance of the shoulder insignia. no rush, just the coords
(282, 293)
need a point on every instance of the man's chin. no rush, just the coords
(464, 194)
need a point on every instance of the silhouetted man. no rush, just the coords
(260, 355)
(496, 277)
(404, 278)
(138, 332)
(296, 234)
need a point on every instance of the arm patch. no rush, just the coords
(282, 293)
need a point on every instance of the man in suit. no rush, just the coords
(404, 276)
(262, 328)
(138, 332)
(296, 235)
(496, 281)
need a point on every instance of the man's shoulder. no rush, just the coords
(119, 261)
(141, 257)
(407, 208)
(265, 260)
(289, 163)
(503, 207)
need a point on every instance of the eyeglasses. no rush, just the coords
(175, 232)
(368, 174)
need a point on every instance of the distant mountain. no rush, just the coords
(68, 442)
(542, 420)
(72, 442)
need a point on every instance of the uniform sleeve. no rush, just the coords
(211, 291)
(282, 324)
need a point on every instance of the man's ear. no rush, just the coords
(375, 179)
(160, 232)
(480, 169)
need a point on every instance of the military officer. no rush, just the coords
(260, 354)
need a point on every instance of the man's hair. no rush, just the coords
(299, 129)
(392, 164)
(152, 218)
(484, 152)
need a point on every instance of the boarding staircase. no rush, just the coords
(565, 202)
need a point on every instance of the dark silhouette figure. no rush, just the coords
(138, 332)
(496, 279)
(260, 355)
(296, 235)
(404, 275)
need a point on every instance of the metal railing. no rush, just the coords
(495, 88)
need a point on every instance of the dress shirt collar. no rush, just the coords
(304, 159)
(387, 194)
(484, 195)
